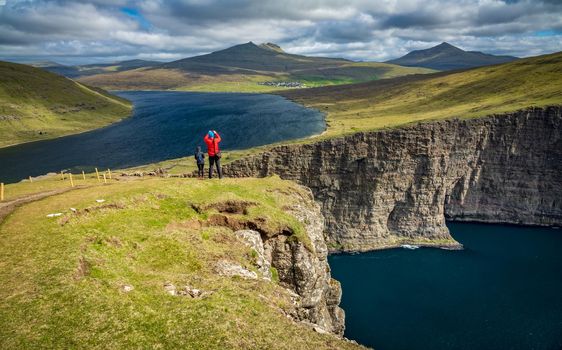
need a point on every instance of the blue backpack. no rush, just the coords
(200, 157)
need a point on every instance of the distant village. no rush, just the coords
(287, 84)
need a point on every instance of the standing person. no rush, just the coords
(212, 140)
(200, 159)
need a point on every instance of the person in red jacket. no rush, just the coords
(212, 140)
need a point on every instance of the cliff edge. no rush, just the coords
(385, 188)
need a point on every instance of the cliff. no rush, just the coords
(306, 272)
(385, 188)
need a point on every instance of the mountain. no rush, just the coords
(272, 46)
(448, 57)
(36, 104)
(528, 82)
(248, 67)
(92, 69)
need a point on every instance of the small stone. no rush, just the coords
(170, 288)
(320, 330)
(127, 288)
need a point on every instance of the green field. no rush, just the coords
(63, 279)
(472, 93)
(36, 105)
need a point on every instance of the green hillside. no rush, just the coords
(97, 277)
(36, 105)
(535, 81)
(245, 68)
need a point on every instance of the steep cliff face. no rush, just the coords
(301, 265)
(391, 187)
(306, 272)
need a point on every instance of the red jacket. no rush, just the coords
(212, 144)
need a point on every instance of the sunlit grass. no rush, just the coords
(62, 278)
(35, 105)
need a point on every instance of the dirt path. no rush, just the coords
(6, 208)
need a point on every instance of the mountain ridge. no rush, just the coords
(247, 68)
(449, 57)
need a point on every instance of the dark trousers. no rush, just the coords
(212, 161)
(200, 171)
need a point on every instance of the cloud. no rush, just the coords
(78, 31)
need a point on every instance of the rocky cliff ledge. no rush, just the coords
(385, 188)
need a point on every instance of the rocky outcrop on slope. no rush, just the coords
(390, 187)
(301, 266)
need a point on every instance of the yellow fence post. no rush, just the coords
(1, 191)
(109, 172)
(71, 182)
(30, 179)
(83, 175)
(104, 179)
(97, 174)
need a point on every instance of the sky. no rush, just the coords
(92, 31)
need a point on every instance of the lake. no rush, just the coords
(166, 125)
(504, 291)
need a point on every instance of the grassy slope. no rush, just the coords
(240, 68)
(61, 284)
(477, 92)
(34, 101)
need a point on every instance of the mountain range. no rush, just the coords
(261, 68)
(448, 57)
(242, 68)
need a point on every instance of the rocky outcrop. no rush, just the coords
(390, 187)
(300, 265)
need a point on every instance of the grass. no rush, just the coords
(36, 105)
(62, 278)
(472, 93)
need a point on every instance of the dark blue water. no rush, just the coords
(166, 125)
(504, 291)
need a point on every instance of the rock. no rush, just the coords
(320, 330)
(305, 272)
(127, 288)
(226, 268)
(253, 240)
(170, 288)
(391, 187)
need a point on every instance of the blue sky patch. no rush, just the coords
(137, 16)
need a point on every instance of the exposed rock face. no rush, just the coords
(390, 187)
(303, 268)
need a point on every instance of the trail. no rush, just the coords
(6, 208)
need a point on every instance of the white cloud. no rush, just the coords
(74, 30)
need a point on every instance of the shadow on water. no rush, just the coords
(504, 291)
(166, 125)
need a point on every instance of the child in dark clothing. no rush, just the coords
(200, 159)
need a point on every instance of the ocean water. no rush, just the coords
(166, 125)
(504, 291)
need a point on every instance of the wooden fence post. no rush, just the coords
(71, 182)
(1, 191)
(83, 176)
(62, 175)
(30, 179)
(109, 172)
(97, 174)
(104, 179)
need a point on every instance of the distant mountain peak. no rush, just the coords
(272, 47)
(446, 57)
